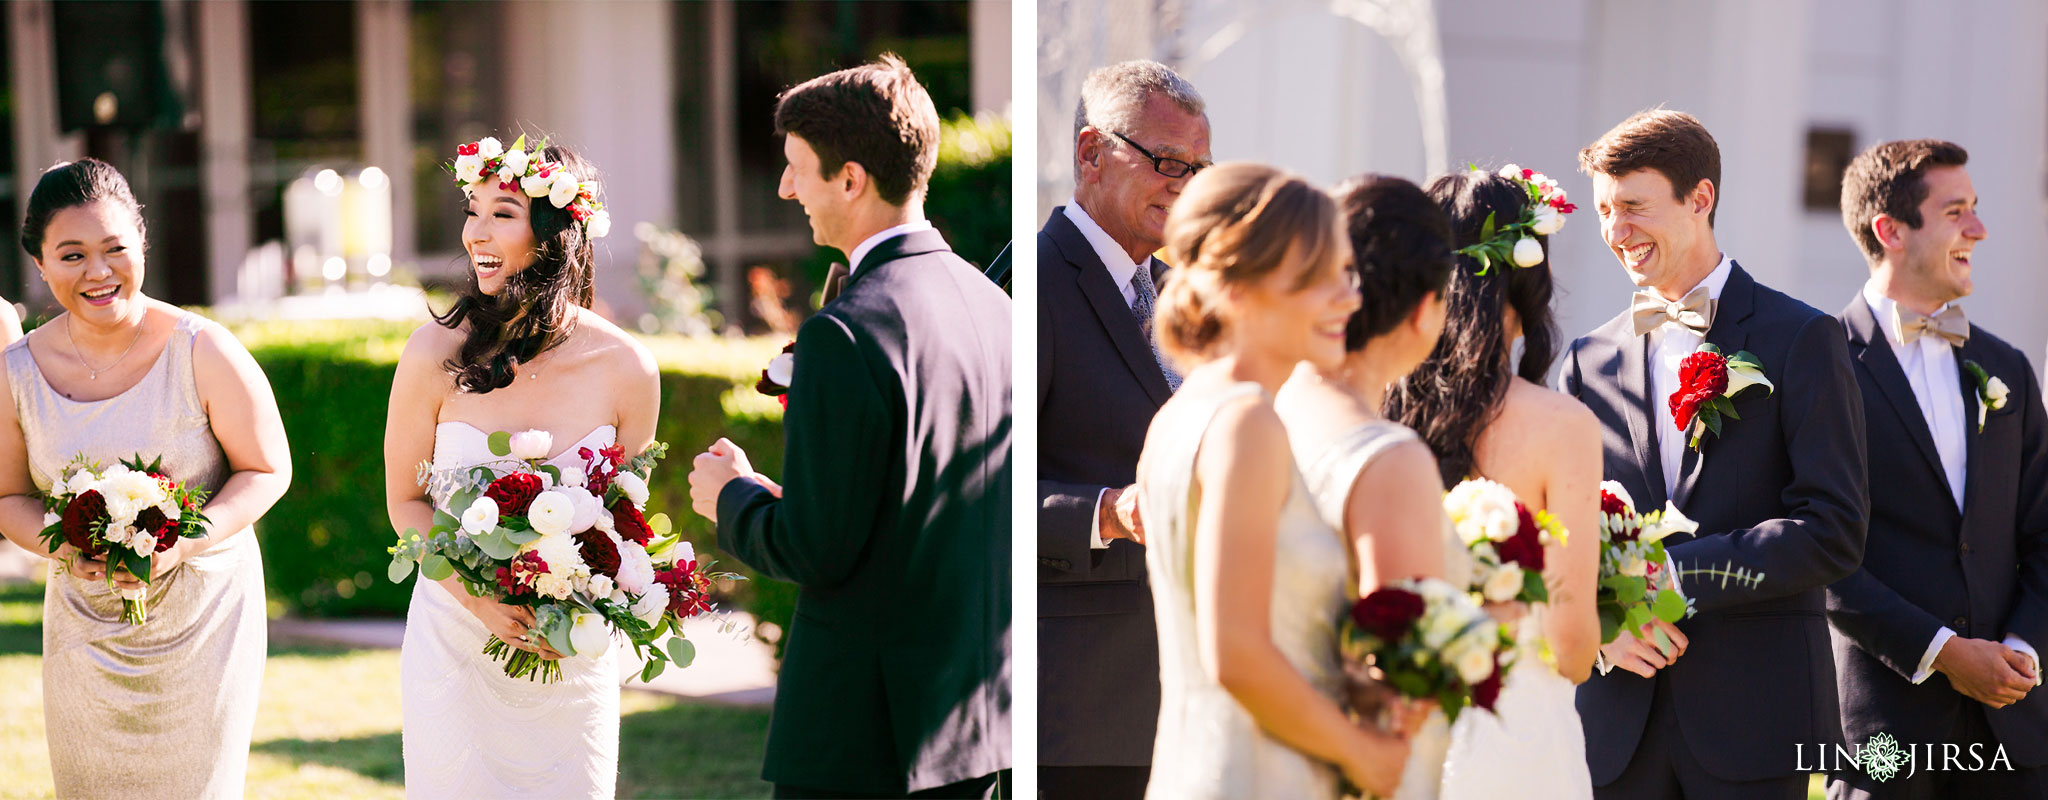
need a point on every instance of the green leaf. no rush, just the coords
(1610, 624)
(557, 635)
(1638, 616)
(399, 570)
(1713, 419)
(1533, 588)
(660, 525)
(653, 668)
(1669, 607)
(682, 650)
(1627, 588)
(435, 567)
(518, 144)
(495, 545)
(1663, 641)
(552, 472)
(1710, 347)
(1486, 229)
(459, 501)
(521, 535)
(501, 444)
(446, 521)
(661, 544)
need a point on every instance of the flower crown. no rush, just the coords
(516, 169)
(1515, 242)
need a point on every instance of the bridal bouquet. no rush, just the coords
(1637, 582)
(1506, 540)
(124, 514)
(1430, 641)
(572, 543)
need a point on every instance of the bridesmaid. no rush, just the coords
(1372, 478)
(163, 709)
(1248, 579)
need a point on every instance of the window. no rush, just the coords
(1828, 151)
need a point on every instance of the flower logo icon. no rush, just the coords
(1882, 757)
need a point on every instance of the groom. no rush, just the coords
(1936, 635)
(895, 518)
(1715, 706)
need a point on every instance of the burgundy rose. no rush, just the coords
(514, 492)
(1525, 548)
(154, 521)
(1486, 692)
(1388, 613)
(627, 521)
(599, 552)
(1609, 504)
(85, 511)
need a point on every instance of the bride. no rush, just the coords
(519, 350)
(1486, 417)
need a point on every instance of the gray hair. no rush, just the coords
(1113, 96)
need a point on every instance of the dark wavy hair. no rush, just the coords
(1458, 391)
(534, 312)
(69, 184)
(1402, 246)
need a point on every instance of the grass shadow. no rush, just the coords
(684, 749)
(376, 757)
(21, 619)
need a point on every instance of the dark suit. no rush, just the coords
(1098, 387)
(896, 523)
(1981, 571)
(1781, 492)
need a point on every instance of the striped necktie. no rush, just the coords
(1142, 308)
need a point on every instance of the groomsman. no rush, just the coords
(895, 516)
(1717, 705)
(1139, 134)
(1934, 635)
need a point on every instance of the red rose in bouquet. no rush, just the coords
(1702, 377)
(599, 553)
(1388, 612)
(166, 529)
(1624, 527)
(84, 510)
(1525, 548)
(1487, 692)
(630, 524)
(514, 492)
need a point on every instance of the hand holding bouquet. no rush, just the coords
(1506, 540)
(1429, 641)
(1637, 583)
(124, 514)
(572, 543)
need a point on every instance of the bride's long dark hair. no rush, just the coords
(1458, 391)
(534, 311)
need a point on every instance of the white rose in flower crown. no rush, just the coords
(515, 162)
(586, 507)
(480, 517)
(532, 445)
(652, 605)
(599, 225)
(589, 635)
(633, 486)
(551, 512)
(1528, 252)
(1504, 583)
(1547, 221)
(536, 186)
(636, 569)
(782, 369)
(1995, 390)
(563, 189)
(489, 147)
(1513, 171)
(601, 586)
(469, 169)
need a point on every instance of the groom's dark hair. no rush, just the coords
(876, 115)
(1673, 143)
(1890, 179)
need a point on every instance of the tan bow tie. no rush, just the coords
(1695, 311)
(1951, 325)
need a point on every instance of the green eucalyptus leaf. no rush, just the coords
(1638, 616)
(552, 472)
(500, 444)
(495, 545)
(1670, 606)
(682, 650)
(520, 536)
(435, 567)
(446, 521)
(557, 634)
(399, 570)
(653, 669)
(1610, 624)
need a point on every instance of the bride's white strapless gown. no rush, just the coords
(472, 732)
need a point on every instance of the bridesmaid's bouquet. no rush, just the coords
(1636, 578)
(1429, 641)
(574, 544)
(1505, 539)
(124, 514)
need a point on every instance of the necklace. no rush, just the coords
(94, 374)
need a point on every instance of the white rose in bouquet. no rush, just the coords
(51, 518)
(574, 476)
(601, 586)
(480, 517)
(633, 486)
(652, 604)
(590, 635)
(532, 445)
(1471, 656)
(551, 513)
(1440, 625)
(1482, 510)
(1504, 583)
(554, 587)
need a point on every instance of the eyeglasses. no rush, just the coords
(1170, 167)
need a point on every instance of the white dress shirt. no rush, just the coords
(1930, 367)
(1123, 272)
(867, 245)
(1670, 343)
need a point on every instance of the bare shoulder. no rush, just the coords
(1315, 408)
(1556, 417)
(619, 350)
(431, 342)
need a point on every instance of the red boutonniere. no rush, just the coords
(1707, 384)
(781, 370)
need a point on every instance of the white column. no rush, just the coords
(724, 247)
(224, 130)
(383, 57)
(32, 76)
(989, 43)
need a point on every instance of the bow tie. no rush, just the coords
(1696, 311)
(1950, 325)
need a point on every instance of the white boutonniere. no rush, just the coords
(1991, 392)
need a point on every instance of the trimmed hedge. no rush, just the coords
(324, 542)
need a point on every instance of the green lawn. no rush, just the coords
(328, 726)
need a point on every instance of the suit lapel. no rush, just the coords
(1968, 386)
(1874, 352)
(1738, 300)
(1092, 278)
(1637, 411)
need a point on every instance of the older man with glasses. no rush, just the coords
(1140, 133)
